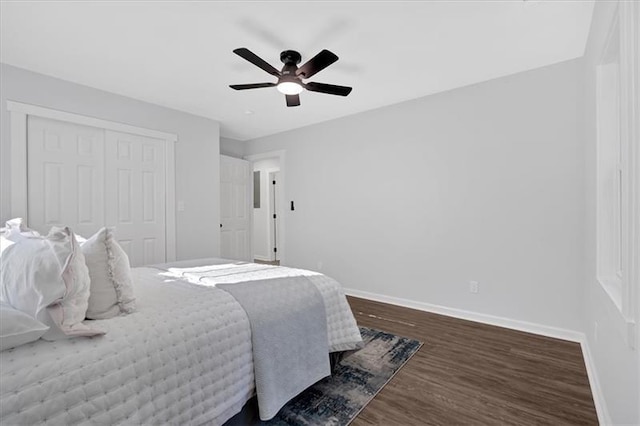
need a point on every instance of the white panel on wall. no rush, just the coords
(612, 359)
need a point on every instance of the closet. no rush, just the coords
(88, 177)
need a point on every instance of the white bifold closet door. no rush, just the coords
(87, 178)
(65, 176)
(135, 195)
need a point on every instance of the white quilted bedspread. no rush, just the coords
(341, 325)
(184, 358)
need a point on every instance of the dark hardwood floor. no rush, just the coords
(471, 373)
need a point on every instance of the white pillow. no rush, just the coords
(15, 230)
(18, 328)
(4, 243)
(111, 282)
(46, 277)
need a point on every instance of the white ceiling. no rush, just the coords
(179, 54)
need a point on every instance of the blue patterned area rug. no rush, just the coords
(356, 379)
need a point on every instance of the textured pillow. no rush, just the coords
(18, 328)
(111, 282)
(15, 230)
(46, 278)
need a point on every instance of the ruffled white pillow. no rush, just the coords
(15, 230)
(46, 278)
(111, 282)
(18, 328)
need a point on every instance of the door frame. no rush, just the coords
(274, 208)
(280, 155)
(18, 129)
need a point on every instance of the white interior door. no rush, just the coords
(135, 195)
(65, 176)
(235, 211)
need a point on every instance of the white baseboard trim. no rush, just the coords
(528, 327)
(604, 418)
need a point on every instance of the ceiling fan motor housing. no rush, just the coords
(290, 57)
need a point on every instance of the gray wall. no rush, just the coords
(414, 200)
(197, 150)
(616, 364)
(232, 147)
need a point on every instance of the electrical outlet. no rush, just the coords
(180, 206)
(474, 287)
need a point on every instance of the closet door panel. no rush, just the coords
(65, 177)
(135, 195)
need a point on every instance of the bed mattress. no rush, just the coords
(184, 357)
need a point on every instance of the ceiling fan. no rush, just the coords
(290, 78)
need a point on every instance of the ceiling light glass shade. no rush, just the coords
(289, 88)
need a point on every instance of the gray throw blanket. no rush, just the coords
(289, 337)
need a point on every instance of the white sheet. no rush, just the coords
(184, 358)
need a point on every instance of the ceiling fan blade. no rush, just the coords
(251, 86)
(245, 53)
(331, 89)
(293, 100)
(316, 64)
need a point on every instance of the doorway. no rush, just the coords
(268, 207)
(265, 210)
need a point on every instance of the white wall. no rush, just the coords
(197, 151)
(262, 220)
(616, 364)
(480, 183)
(231, 147)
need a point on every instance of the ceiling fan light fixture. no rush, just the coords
(290, 78)
(289, 88)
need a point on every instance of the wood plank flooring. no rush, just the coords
(471, 373)
(267, 262)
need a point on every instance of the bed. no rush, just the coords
(184, 357)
